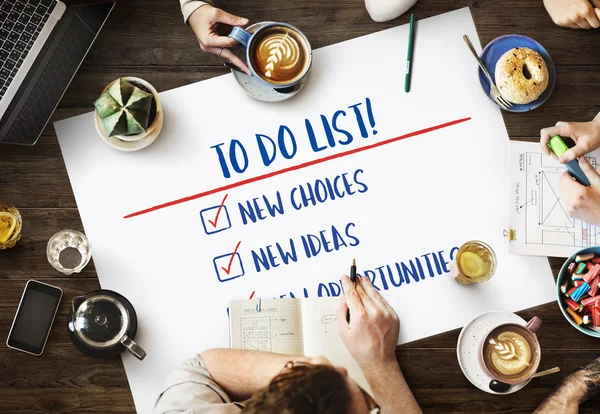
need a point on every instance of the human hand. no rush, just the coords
(576, 14)
(585, 134)
(566, 398)
(205, 22)
(582, 202)
(372, 333)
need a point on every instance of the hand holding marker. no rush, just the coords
(559, 147)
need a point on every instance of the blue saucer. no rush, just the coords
(497, 47)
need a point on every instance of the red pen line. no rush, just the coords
(214, 224)
(295, 167)
(252, 295)
(231, 259)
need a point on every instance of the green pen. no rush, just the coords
(411, 38)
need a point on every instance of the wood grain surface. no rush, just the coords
(147, 38)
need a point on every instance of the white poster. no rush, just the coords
(238, 196)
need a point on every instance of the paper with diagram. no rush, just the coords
(292, 326)
(538, 214)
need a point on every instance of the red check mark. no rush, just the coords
(232, 257)
(214, 223)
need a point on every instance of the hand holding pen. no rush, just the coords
(372, 333)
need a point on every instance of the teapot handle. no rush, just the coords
(132, 347)
(76, 302)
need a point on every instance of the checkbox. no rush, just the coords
(228, 266)
(215, 219)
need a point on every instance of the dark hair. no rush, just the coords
(303, 389)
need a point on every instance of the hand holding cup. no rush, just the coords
(205, 22)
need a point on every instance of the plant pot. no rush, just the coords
(138, 141)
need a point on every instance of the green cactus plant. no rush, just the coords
(124, 109)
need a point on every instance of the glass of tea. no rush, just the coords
(69, 251)
(10, 226)
(475, 262)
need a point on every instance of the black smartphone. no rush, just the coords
(35, 316)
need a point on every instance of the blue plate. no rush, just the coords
(497, 47)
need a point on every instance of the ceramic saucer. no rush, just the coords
(496, 48)
(468, 345)
(257, 89)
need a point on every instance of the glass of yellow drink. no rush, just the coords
(10, 226)
(475, 262)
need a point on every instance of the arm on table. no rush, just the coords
(574, 390)
(242, 373)
(190, 6)
(371, 337)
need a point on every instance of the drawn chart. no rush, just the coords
(545, 207)
(256, 333)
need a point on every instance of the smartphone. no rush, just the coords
(35, 316)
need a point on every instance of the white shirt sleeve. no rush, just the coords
(190, 6)
(191, 389)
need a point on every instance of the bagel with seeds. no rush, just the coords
(521, 75)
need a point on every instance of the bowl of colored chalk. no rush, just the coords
(578, 291)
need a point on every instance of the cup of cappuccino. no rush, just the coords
(511, 353)
(278, 54)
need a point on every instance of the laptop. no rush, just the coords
(42, 44)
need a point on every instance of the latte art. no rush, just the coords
(283, 51)
(509, 353)
(279, 55)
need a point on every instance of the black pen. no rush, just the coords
(353, 280)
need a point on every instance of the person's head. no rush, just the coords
(311, 388)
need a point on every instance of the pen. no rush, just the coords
(411, 38)
(352, 279)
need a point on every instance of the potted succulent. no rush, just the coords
(128, 114)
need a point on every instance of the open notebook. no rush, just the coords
(292, 326)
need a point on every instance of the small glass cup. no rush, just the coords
(69, 251)
(10, 226)
(475, 262)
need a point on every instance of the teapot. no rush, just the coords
(103, 324)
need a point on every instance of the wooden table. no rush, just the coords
(148, 39)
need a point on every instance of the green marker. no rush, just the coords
(558, 146)
(411, 38)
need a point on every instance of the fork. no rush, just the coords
(496, 95)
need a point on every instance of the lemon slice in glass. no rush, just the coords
(8, 222)
(472, 265)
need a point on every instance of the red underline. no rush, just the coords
(295, 167)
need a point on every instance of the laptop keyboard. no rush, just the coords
(20, 24)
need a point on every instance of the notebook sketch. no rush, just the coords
(256, 333)
(292, 326)
(537, 211)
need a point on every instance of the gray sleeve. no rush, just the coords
(191, 389)
(190, 6)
